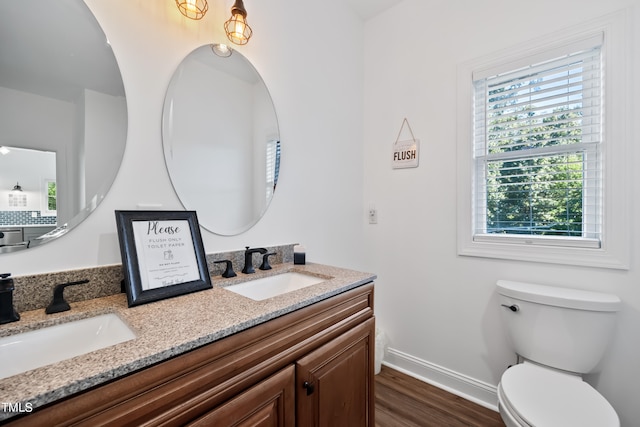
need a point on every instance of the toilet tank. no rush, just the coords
(563, 328)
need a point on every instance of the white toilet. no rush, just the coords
(558, 334)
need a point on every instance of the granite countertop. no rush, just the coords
(164, 329)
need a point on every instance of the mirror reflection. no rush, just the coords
(61, 95)
(221, 139)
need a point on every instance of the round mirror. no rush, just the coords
(63, 119)
(221, 139)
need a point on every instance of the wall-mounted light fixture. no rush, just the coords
(193, 9)
(237, 29)
(17, 187)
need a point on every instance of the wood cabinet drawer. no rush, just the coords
(268, 403)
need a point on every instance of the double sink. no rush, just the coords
(33, 349)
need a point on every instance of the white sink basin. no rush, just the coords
(272, 286)
(29, 350)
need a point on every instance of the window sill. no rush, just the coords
(579, 256)
(529, 240)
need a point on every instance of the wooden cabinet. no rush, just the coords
(311, 367)
(335, 388)
(270, 403)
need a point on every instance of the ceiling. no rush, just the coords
(55, 49)
(369, 8)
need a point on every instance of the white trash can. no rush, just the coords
(381, 344)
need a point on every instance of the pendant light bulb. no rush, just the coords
(236, 28)
(193, 9)
(221, 50)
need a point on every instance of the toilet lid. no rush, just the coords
(546, 398)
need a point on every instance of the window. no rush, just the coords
(537, 138)
(50, 198)
(541, 145)
(273, 167)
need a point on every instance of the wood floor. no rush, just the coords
(403, 401)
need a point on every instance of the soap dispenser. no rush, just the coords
(7, 312)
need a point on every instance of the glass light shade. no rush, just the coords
(237, 29)
(193, 9)
(221, 50)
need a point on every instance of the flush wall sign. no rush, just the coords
(406, 153)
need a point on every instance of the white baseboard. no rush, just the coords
(454, 382)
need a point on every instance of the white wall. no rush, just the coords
(39, 123)
(314, 77)
(440, 310)
(103, 120)
(225, 149)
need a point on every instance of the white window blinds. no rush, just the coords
(273, 167)
(537, 151)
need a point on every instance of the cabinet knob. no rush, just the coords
(309, 387)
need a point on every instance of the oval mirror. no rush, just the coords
(63, 119)
(221, 139)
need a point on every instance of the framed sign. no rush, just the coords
(405, 153)
(162, 254)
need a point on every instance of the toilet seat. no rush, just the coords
(543, 397)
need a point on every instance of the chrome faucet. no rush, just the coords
(248, 259)
(7, 312)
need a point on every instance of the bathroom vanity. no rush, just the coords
(218, 358)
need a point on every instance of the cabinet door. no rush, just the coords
(335, 382)
(270, 403)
